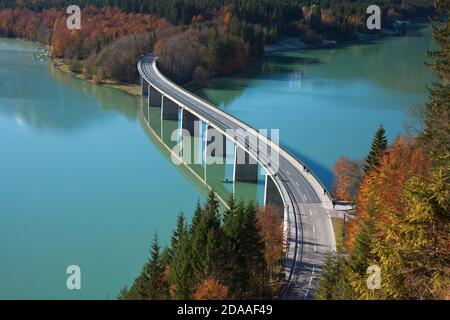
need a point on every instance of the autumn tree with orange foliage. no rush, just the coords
(347, 176)
(211, 289)
(404, 159)
(107, 46)
(402, 220)
(271, 228)
(402, 225)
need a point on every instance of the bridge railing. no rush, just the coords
(311, 177)
(291, 216)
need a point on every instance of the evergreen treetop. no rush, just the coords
(379, 146)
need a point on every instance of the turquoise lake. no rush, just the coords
(329, 103)
(82, 182)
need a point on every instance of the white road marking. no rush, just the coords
(329, 216)
(306, 294)
(305, 197)
(310, 212)
(310, 280)
(314, 231)
(297, 184)
(288, 172)
(328, 211)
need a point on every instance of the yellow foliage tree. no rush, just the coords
(211, 289)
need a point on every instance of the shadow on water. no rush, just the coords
(324, 174)
(205, 172)
(192, 175)
(268, 68)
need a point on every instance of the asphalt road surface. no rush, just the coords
(309, 229)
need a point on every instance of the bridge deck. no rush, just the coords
(310, 234)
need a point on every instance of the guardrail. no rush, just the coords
(311, 177)
(288, 197)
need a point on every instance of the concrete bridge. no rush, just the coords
(288, 184)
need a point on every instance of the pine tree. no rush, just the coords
(379, 146)
(154, 268)
(123, 294)
(254, 253)
(181, 267)
(334, 283)
(237, 275)
(362, 246)
(198, 212)
(437, 112)
(211, 211)
(198, 241)
(179, 233)
(206, 241)
(151, 284)
(231, 210)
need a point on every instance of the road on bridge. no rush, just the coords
(307, 207)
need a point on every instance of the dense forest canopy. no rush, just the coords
(255, 11)
(231, 255)
(223, 35)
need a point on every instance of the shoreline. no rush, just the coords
(294, 44)
(284, 45)
(129, 88)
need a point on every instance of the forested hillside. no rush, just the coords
(195, 39)
(231, 256)
(402, 222)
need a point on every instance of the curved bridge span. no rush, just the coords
(289, 184)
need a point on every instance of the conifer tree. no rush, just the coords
(334, 283)
(379, 145)
(197, 215)
(151, 284)
(362, 246)
(181, 267)
(206, 241)
(211, 211)
(254, 252)
(123, 294)
(231, 210)
(237, 274)
(437, 112)
(179, 233)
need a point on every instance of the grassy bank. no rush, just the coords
(132, 89)
(338, 228)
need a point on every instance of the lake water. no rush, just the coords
(329, 103)
(82, 182)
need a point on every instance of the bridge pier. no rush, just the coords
(169, 109)
(245, 167)
(215, 143)
(154, 97)
(191, 123)
(144, 87)
(272, 195)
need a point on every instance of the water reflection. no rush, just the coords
(387, 63)
(204, 173)
(328, 103)
(40, 99)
